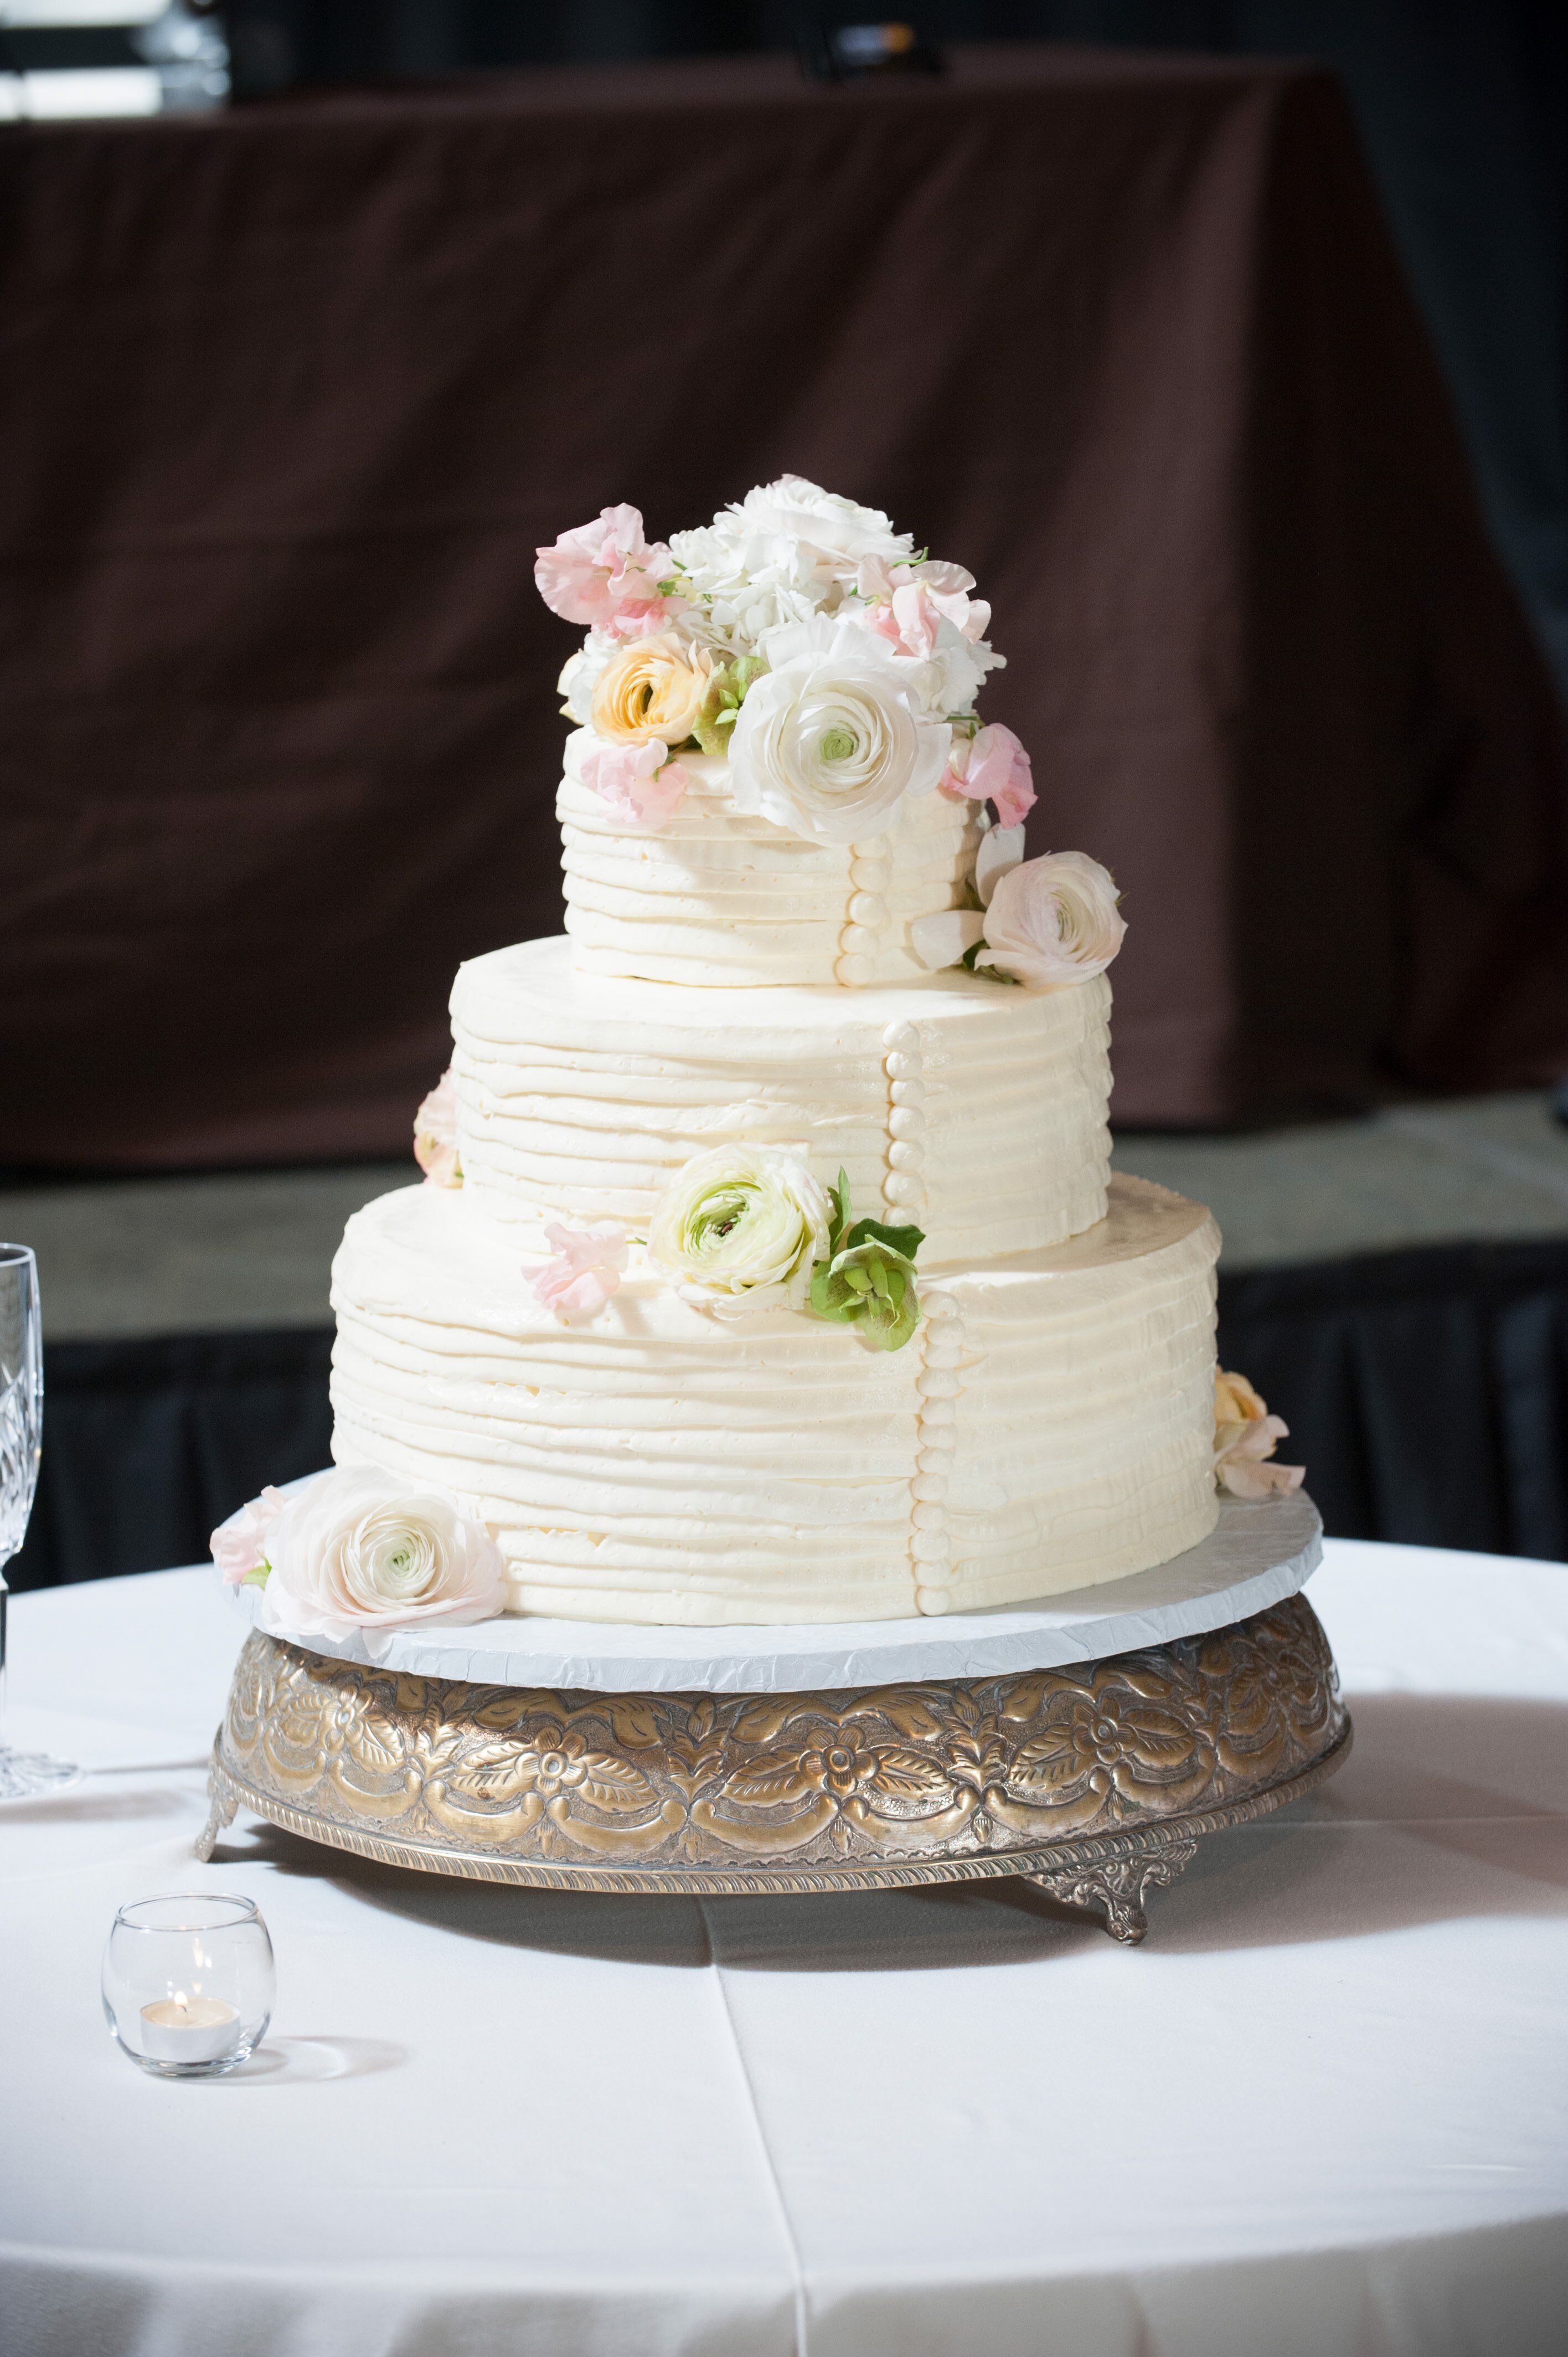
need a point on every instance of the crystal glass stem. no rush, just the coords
(24, 1775)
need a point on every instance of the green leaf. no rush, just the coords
(841, 1213)
(906, 1241)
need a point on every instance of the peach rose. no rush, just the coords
(653, 691)
(1245, 1434)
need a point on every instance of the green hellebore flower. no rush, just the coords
(871, 1287)
(714, 724)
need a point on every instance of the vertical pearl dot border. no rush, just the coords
(866, 917)
(939, 1386)
(904, 1180)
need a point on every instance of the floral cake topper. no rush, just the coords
(835, 663)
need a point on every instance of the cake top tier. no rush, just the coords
(778, 769)
(778, 773)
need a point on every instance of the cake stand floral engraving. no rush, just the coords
(1093, 1780)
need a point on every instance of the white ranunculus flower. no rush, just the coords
(741, 1227)
(831, 739)
(1048, 923)
(358, 1548)
(1052, 922)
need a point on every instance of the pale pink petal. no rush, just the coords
(1249, 1479)
(239, 1546)
(640, 783)
(436, 1135)
(585, 1294)
(1001, 847)
(586, 1271)
(606, 574)
(915, 614)
(945, 580)
(942, 938)
(997, 769)
(1259, 1438)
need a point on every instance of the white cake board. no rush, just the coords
(1258, 1553)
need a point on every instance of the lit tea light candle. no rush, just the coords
(181, 2028)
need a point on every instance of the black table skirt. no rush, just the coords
(1426, 1393)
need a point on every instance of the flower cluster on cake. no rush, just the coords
(836, 669)
(820, 1061)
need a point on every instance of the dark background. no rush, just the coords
(1462, 106)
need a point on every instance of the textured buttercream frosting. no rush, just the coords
(717, 898)
(975, 1109)
(1048, 1427)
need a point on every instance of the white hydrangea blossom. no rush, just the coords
(580, 675)
(786, 552)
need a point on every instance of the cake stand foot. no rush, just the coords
(1118, 1885)
(224, 1804)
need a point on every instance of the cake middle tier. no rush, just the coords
(974, 1109)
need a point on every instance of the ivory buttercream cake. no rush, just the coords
(768, 1266)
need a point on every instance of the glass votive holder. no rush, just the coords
(188, 1983)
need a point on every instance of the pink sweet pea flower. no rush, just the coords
(992, 767)
(641, 783)
(436, 1135)
(239, 1547)
(607, 575)
(932, 592)
(950, 585)
(909, 620)
(586, 1271)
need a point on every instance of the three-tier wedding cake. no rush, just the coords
(768, 1266)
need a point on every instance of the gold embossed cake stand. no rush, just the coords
(1092, 1778)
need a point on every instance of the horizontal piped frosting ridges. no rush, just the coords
(578, 1097)
(663, 1466)
(716, 899)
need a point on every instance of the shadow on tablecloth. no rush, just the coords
(1449, 1806)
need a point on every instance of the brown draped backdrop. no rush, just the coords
(288, 397)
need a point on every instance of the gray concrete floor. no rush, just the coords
(254, 1249)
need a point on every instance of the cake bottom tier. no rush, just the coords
(1048, 1427)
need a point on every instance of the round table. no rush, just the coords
(1324, 2111)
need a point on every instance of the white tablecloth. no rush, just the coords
(1322, 2111)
